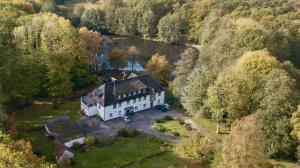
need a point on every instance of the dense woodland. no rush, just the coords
(247, 74)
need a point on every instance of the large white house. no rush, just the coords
(120, 97)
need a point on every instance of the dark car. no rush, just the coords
(161, 108)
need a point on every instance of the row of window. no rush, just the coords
(128, 102)
(120, 112)
(132, 93)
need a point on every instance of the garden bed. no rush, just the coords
(174, 127)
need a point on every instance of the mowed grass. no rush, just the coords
(123, 151)
(210, 127)
(173, 126)
(169, 160)
(128, 150)
(29, 124)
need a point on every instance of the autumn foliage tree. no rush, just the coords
(295, 121)
(245, 146)
(158, 67)
(118, 58)
(19, 154)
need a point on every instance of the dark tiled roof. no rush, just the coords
(89, 101)
(107, 94)
(63, 129)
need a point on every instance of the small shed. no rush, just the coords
(65, 131)
(62, 152)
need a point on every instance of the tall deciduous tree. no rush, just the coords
(245, 146)
(169, 28)
(184, 67)
(94, 19)
(147, 24)
(118, 58)
(19, 154)
(295, 121)
(158, 67)
(279, 102)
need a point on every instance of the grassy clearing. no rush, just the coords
(127, 150)
(210, 127)
(29, 124)
(169, 159)
(121, 152)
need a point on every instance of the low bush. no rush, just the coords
(188, 127)
(90, 140)
(128, 132)
(180, 121)
(65, 163)
(162, 129)
(168, 118)
(122, 132)
(76, 145)
(104, 141)
(176, 133)
(197, 147)
(159, 121)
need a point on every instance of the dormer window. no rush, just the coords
(119, 97)
(124, 95)
(139, 91)
(134, 93)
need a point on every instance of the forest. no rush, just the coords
(246, 76)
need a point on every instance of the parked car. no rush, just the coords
(162, 108)
(127, 118)
(167, 106)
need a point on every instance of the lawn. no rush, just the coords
(210, 127)
(168, 160)
(29, 123)
(127, 150)
(173, 126)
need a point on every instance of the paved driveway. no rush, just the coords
(144, 120)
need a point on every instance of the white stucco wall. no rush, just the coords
(70, 143)
(120, 110)
(89, 111)
(159, 99)
(106, 112)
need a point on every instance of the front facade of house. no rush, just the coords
(121, 97)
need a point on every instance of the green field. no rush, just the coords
(128, 150)
(29, 124)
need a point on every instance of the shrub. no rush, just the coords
(123, 133)
(162, 129)
(188, 127)
(65, 163)
(197, 147)
(76, 145)
(176, 133)
(168, 118)
(104, 141)
(90, 140)
(132, 132)
(180, 121)
(159, 121)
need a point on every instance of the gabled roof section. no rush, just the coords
(107, 94)
(63, 129)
